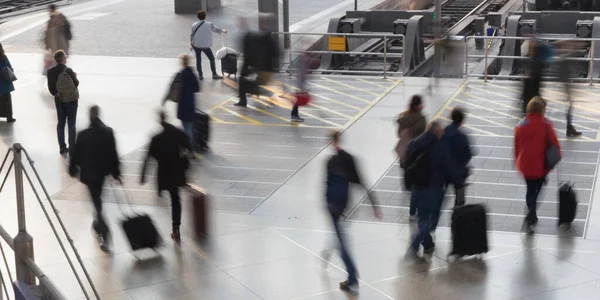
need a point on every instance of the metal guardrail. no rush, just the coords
(26, 269)
(591, 59)
(385, 36)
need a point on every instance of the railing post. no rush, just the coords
(384, 56)
(23, 241)
(485, 58)
(289, 55)
(403, 55)
(466, 57)
(592, 63)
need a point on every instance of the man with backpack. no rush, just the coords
(62, 84)
(201, 41)
(94, 156)
(428, 167)
(341, 171)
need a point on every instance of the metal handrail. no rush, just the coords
(385, 55)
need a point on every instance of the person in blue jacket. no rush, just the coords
(186, 108)
(460, 150)
(6, 87)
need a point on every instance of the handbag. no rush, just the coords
(552, 154)
(7, 74)
(302, 98)
(175, 89)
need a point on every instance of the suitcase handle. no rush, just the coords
(195, 189)
(126, 199)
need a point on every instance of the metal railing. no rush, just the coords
(591, 59)
(25, 267)
(385, 36)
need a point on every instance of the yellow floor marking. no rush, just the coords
(472, 128)
(217, 120)
(381, 96)
(370, 82)
(292, 98)
(488, 109)
(220, 104)
(252, 121)
(282, 105)
(452, 98)
(349, 86)
(270, 114)
(341, 93)
(326, 98)
(289, 124)
(489, 121)
(586, 92)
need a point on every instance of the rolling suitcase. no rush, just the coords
(6, 106)
(141, 232)
(201, 131)
(567, 204)
(199, 211)
(229, 65)
(469, 230)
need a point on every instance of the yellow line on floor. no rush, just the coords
(280, 104)
(221, 103)
(349, 86)
(325, 97)
(269, 114)
(370, 82)
(452, 98)
(292, 98)
(488, 109)
(240, 115)
(341, 93)
(489, 121)
(217, 120)
(289, 124)
(489, 133)
(364, 111)
(586, 92)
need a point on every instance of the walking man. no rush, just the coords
(341, 171)
(201, 41)
(93, 158)
(565, 73)
(460, 150)
(58, 31)
(62, 84)
(169, 149)
(429, 166)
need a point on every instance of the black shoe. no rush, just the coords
(215, 76)
(572, 132)
(297, 119)
(10, 120)
(176, 236)
(429, 250)
(64, 151)
(201, 77)
(349, 287)
(240, 104)
(104, 240)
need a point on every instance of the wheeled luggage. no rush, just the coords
(229, 65)
(201, 131)
(141, 232)
(6, 106)
(469, 230)
(199, 211)
(567, 204)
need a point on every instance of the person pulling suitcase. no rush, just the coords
(460, 150)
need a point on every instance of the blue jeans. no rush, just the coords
(425, 200)
(350, 268)
(209, 54)
(188, 127)
(67, 115)
(437, 208)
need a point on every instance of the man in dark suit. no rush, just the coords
(169, 149)
(93, 157)
(65, 111)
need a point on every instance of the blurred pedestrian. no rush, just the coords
(93, 158)
(565, 73)
(261, 58)
(170, 149)
(201, 40)
(411, 124)
(184, 88)
(6, 87)
(539, 53)
(58, 31)
(62, 84)
(533, 136)
(460, 150)
(428, 167)
(303, 64)
(341, 172)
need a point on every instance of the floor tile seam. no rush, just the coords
(494, 183)
(210, 165)
(329, 263)
(348, 125)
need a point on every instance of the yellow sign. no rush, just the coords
(337, 43)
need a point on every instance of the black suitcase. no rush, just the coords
(469, 230)
(229, 65)
(567, 204)
(201, 131)
(6, 106)
(141, 232)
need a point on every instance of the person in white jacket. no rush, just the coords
(201, 41)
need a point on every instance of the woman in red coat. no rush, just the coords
(532, 135)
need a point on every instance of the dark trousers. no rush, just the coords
(100, 225)
(67, 115)
(209, 54)
(6, 106)
(350, 268)
(437, 199)
(295, 111)
(570, 109)
(534, 187)
(247, 87)
(424, 199)
(175, 207)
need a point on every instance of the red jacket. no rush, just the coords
(530, 145)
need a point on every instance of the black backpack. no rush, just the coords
(416, 171)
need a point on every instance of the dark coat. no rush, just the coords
(95, 154)
(460, 148)
(53, 78)
(6, 87)
(186, 109)
(167, 148)
(261, 52)
(440, 166)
